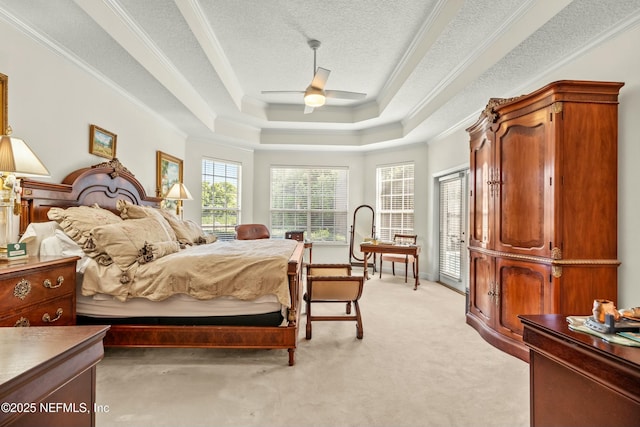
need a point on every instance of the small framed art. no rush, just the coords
(168, 172)
(102, 142)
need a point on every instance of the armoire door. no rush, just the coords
(482, 302)
(481, 175)
(522, 287)
(522, 193)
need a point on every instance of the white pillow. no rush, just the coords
(36, 232)
(61, 244)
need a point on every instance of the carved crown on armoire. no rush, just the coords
(543, 207)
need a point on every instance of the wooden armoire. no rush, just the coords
(543, 207)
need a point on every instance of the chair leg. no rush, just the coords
(308, 329)
(348, 307)
(380, 267)
(359, 328)
(406, 270)
(393, 268)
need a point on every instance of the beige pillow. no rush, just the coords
(78, 221)
(153, 251)
(187, 231)
(130, 211)
(124, 240)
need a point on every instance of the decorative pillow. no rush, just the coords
(78, 221)
(153, 251)
(130, 211)
(122, 241)
(187, 231)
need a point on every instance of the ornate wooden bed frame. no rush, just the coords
(105, 184)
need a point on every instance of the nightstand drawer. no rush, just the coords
(58, 312)
(22, 289)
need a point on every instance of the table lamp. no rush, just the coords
(16, 161)
(178, 192)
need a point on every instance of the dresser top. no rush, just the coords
(18, 265)
(25, 349)
(556, 326)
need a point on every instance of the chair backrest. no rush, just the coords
(329, 270)
(405, 238)
(252, 232)
(335, 288)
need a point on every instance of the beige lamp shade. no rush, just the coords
(178, 191)
(17, 158)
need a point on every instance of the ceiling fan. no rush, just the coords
(315, 94)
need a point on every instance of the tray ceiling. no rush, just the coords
(427, 66)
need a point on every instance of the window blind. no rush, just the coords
(310, 199)
(395, 201)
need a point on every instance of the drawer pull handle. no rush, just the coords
(47, 283)
(22, 289)
(47, 319)
(22, 323)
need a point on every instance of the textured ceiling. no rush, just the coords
(426, 66)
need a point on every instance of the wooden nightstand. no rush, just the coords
(38, 291)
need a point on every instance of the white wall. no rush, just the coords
(52, 102)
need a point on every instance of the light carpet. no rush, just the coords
(419, 364)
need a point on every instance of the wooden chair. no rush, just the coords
(410, 239)
(252, 232)
(333, 283)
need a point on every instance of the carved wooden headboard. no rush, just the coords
(104, 184)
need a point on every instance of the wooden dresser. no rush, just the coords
(48, 375)
(543, 207)
(38, 291)
(579, 379)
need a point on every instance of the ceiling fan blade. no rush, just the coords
(308, 109)
(342, 94)
(320, 78)
(281, 91)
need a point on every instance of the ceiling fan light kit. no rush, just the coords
(315, 95)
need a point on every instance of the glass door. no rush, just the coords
(453, 226)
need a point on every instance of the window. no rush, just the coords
(220, 197)
(310, 199)
(394, 200)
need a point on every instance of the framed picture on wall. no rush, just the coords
(4, 116)
(102, 142)
(168, 172)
